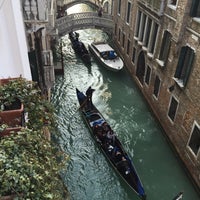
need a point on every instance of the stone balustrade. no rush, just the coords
(84, 20)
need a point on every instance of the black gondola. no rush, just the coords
(79, 47)
(110, 146)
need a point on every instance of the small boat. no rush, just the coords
(110, 146)
(106, 55)
(79, 47)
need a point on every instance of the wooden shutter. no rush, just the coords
(194, 7)
(180, 62)
(189, 65)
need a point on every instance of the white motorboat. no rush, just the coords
(106, 55)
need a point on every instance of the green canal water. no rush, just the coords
(88, 175)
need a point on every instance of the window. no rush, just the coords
(165, 46)
(195, 9)
(139, 13)
(142, 27)
(147, 33)
(119, 35)
(194, 142)
(147, 75)
(123, 40)
(172, 2)
(115, 29)
(133, 55)
(128, 13)
(156, 86)
(184, 66)
(119, 7)
(128, 47)
(173, 108)
(153, 38)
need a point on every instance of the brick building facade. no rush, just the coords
(159, 41)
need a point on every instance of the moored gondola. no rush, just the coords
(110, 145)
(79, 47)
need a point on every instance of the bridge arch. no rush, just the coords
(84, 20)
(71, 3)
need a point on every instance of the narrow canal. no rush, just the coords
(88, 175)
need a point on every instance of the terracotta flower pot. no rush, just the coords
(6, 80)
(12, 118)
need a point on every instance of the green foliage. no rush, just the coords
(39, 110)
(29, 166)
(29, 163)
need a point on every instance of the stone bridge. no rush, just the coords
(84, 20)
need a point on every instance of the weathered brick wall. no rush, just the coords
(184, 31)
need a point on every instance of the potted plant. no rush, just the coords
(11, 107)
(30, 163)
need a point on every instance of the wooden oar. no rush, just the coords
(78, 108)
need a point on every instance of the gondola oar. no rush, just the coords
(84, 102)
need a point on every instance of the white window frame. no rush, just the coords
(193, 126)
(170, 5)
(172, 96)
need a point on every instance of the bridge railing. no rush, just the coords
(81, 1)
(83, 20)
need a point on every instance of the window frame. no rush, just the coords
(171, 5)
(195, 124)
(164, 48)
(156, 90)
(128, 13)
(185, 59)
(169, 107)
(133, 55)
(119, 7)
(137, 25)
(147, 76)
(195, 7)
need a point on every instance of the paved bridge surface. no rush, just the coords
(84, 20)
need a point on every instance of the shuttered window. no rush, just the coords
(195, 8)
(184, 66)
(165, 46)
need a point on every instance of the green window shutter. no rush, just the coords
(189, 65)
(180, 62)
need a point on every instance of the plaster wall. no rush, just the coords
(13, 48)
